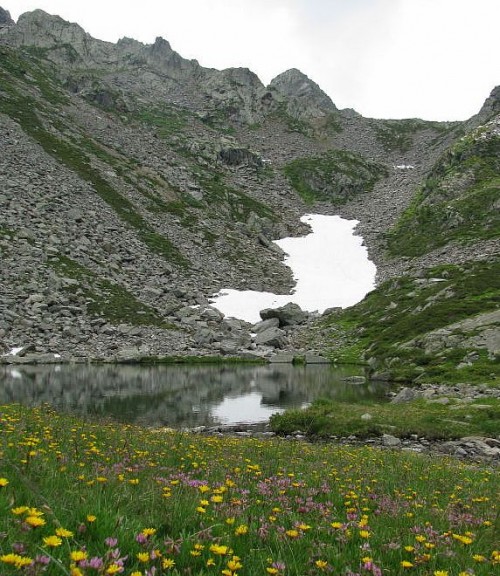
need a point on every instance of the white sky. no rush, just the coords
(330, 266)
(433, 59)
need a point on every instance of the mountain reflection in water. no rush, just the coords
(180, 395)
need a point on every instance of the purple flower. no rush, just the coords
(42, 559)
(111, 542)
(141, 538)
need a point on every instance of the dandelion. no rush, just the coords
(241, 530)
(35, 521)
(149, 531)
(168, 563)
(336, 525)
(19, 510)
(364, 534)
(406, 564)
(78, 555)
(52, 541)
(91, 518)
(16, 560)
(114, 569)
(143, 556)
(292, 533)
(440, 572)
(64, 533)
(234, 564)
(3, 482)
(479, 558)
(321, 564)
(218, 549)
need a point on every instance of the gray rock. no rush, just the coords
(271, 337)
(288, 315)
(282, 358)
(315, 359)
(390, 441)
(265, 324)
(405, 395)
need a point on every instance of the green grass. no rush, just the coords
(433, 421)
(335, 176)
(107, 299)
(134, 500)
(456, 201)
(398, 134)
(406, 309)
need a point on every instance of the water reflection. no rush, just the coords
(179, 396)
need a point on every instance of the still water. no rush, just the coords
(180, 396)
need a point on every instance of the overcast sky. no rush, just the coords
(432, 59)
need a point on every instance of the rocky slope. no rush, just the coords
(136, 183)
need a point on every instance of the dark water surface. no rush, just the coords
(180, 396)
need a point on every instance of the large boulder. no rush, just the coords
(271, 337)
(288, 315)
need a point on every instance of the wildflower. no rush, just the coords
(495, 557)
(410, 548)
(19, 510)
(52, 541)
(241, 530)
(136, 573)
(64, 533)
(230, 520)
(271, 570)
(321, 564)
(149, 531)
(406, 564)
(336, 525)
(75, 571)
(16, 560)
(217, 498)
(114, 569)
(364, 534)
(203, 488)
(292, 533)
(3, 482)
(218, 549)
(143, 557)
(35, 521)
(440, 572)
(479, 558)
(91, 518)
(201, 510)
(210, 562)
(168, 563)
(78, 555)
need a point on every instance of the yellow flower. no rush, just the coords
(321, 564)
(440, 572)
(303, 527)
(168, 563)
(409, 548)
(241, 530)
(272, 570)
(75, 571)
(16, 560)
(136, 573)
(479, 558)
(420, 538)
(210, 562)
(113, 569)
(364, 534)
(234, 564)
(218, 549)
(292, 533)
(64, 533)
(143, 556)
(91, 518)
(19, 510)
(217, 498)
(201, 510)
(203, 488)
(78, 555)
(3, 482)
(34, 521)
(149, 531)
(230, 521)
(52, 541)
(336, 525)
(406, 564)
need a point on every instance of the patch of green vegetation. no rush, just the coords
(239, 205)
(431, 420)
(398, 134)
(167, 120)
(335, 176)
(6, 231)
(23, 110)
(456, 202)
(107, 299)
(406, 309)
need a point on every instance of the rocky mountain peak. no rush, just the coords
(5, 19)
(308, 96)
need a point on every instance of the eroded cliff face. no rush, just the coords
(136, 183)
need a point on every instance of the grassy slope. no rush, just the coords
(134, 501)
